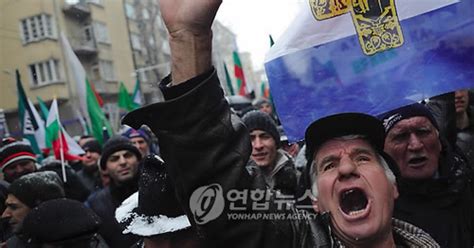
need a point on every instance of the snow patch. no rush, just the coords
(147, 225)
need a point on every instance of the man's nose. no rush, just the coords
(122, 160)
(19, 169)
(414, 142)
(257, 143)
(6, 213)
(346, 167)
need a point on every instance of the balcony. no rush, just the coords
(84, 43)
(77, 9)
(84, 47)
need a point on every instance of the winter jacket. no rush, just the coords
(206, 146)
(104, 202)
(442, 206)
(90, 179)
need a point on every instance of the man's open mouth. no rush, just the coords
(417, 161)
(353, 201)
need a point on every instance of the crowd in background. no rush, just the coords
(75, 205)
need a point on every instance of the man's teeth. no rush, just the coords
(353, 213)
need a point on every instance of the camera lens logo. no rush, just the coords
(207, 203)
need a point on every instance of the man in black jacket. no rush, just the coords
(435, 184)
(275, 165)
(120, 159)
(207, 149)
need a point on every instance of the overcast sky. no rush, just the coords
(253, 20)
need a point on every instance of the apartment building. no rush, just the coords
(30, 42)
(115, 40)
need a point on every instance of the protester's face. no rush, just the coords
(266, 108)
(264, 148)
(18, 169)
(15, 211)
(122, 166)
(461, 100)
(414, 144)
(141, 144)
(354, 189)
(90, 158)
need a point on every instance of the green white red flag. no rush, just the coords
(58, 139)
(239, 74)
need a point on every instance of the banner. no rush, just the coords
(369, 56)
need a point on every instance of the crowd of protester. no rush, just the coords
(410, 170)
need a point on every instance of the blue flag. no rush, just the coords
(370, 57)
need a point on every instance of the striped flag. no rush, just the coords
(369, 56)
(57, 139)
(31, 124)
(239, 74)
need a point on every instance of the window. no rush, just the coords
(130, 11)
(136, 42)
(37, 28)
(107, 70)
(44, 72)
(101, 33)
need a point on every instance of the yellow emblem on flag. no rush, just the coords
(376, 21)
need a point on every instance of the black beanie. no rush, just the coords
(92, 146)
(34, 188)
(115, 144)
(258, 120)
(413, 110)
(60, 220)
(15, 151)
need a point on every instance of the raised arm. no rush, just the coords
(189, 26)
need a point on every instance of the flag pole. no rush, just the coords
(61, 149)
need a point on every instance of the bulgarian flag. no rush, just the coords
(89, 105)
(239, 74)
(57, 139)
(32, 126)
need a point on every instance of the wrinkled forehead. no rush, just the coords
(346, 144)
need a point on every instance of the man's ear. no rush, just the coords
(315, 205)
(395, 191)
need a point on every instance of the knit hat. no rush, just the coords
(133, 133)
(60, 220)
(34, 188)
(154, 209)
(15, 151)
(417, 109)
(92, 146)
(258, 120)
(115, 144)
